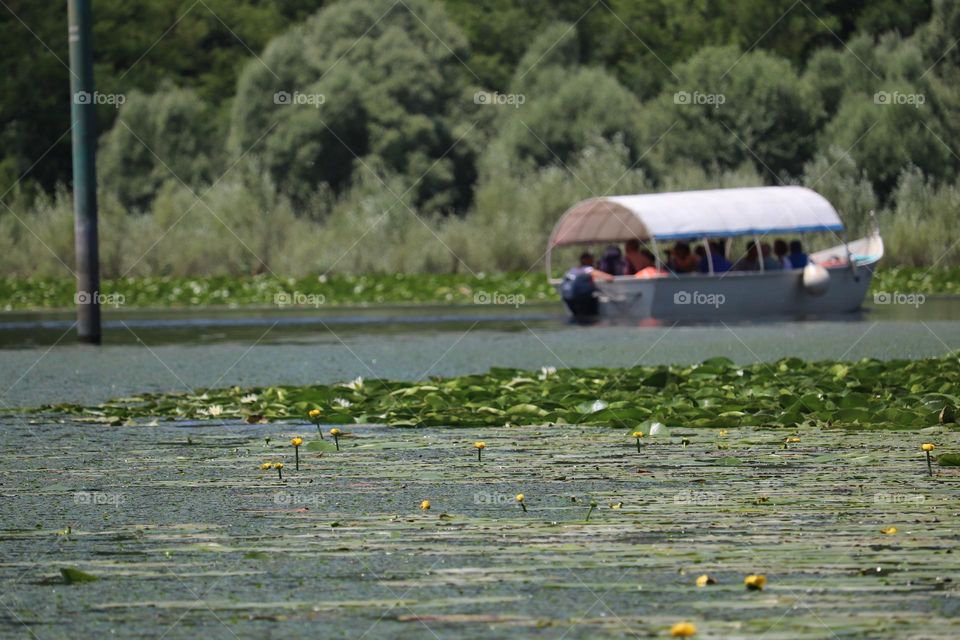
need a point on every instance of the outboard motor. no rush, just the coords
(580, 295)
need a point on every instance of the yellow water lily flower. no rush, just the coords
(638, 434)
(793, 439)
(755, 582)
(278, 465)
(425, 505)
(927, 447)
(889, 531)
(296, 442)
(266, 465)
(335, 432)
(314, 414)
(683, 630)
(520, 502)
(704, 580)
(722, 433)
(479, 445)
(616, 505)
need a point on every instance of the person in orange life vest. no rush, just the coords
(647, 263)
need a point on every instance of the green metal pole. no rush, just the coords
(84, 136)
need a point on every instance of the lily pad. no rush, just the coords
(72, 575)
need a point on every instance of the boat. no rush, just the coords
(835, 281)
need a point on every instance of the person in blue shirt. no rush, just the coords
(579, 291)
(720, 262)
(770, 263)
(798, 259)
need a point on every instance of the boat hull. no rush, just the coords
(734, 295)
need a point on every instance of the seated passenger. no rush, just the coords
(648, 266)
(612, 261)
(720, 262)
(780, 252)
(769, 262)
(750, 261)
(632, 256)
(683, 260)
(798, 259)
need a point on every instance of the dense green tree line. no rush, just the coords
(469, 113)
(202, 46)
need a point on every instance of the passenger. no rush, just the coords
(720, 262)
(612, 261)
(586, 268)
(750, 261)
(648, 266)
(632, 256)
(798, 259)
(780, 252)
(769, 262)
(578, 289)
(683, 261)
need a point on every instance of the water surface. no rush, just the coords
(40, 361)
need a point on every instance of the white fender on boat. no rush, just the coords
(816, 279)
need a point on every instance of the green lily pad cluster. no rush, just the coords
(869, 394)
(20, 293)
(944, 280)
(23, 293)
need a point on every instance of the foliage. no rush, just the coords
(336, 289)
(267, 290)
(728, 107)
(137, 46)
(566, 108)
(391, 96)
(868, 394)
(921, 229)
(918, 280)
(160, 137)
(411, 165)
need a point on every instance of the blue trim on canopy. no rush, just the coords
(748, 232)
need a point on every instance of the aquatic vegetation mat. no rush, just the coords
(318, 291)
(869, 394)
(907, 280)
(176, 531)
(26, 293)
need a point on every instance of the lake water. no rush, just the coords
(40, 361)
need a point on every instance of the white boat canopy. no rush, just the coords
(696, 214)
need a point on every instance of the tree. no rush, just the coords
(730, 107)
(559, 107)
(369, 85)
(168, 135)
